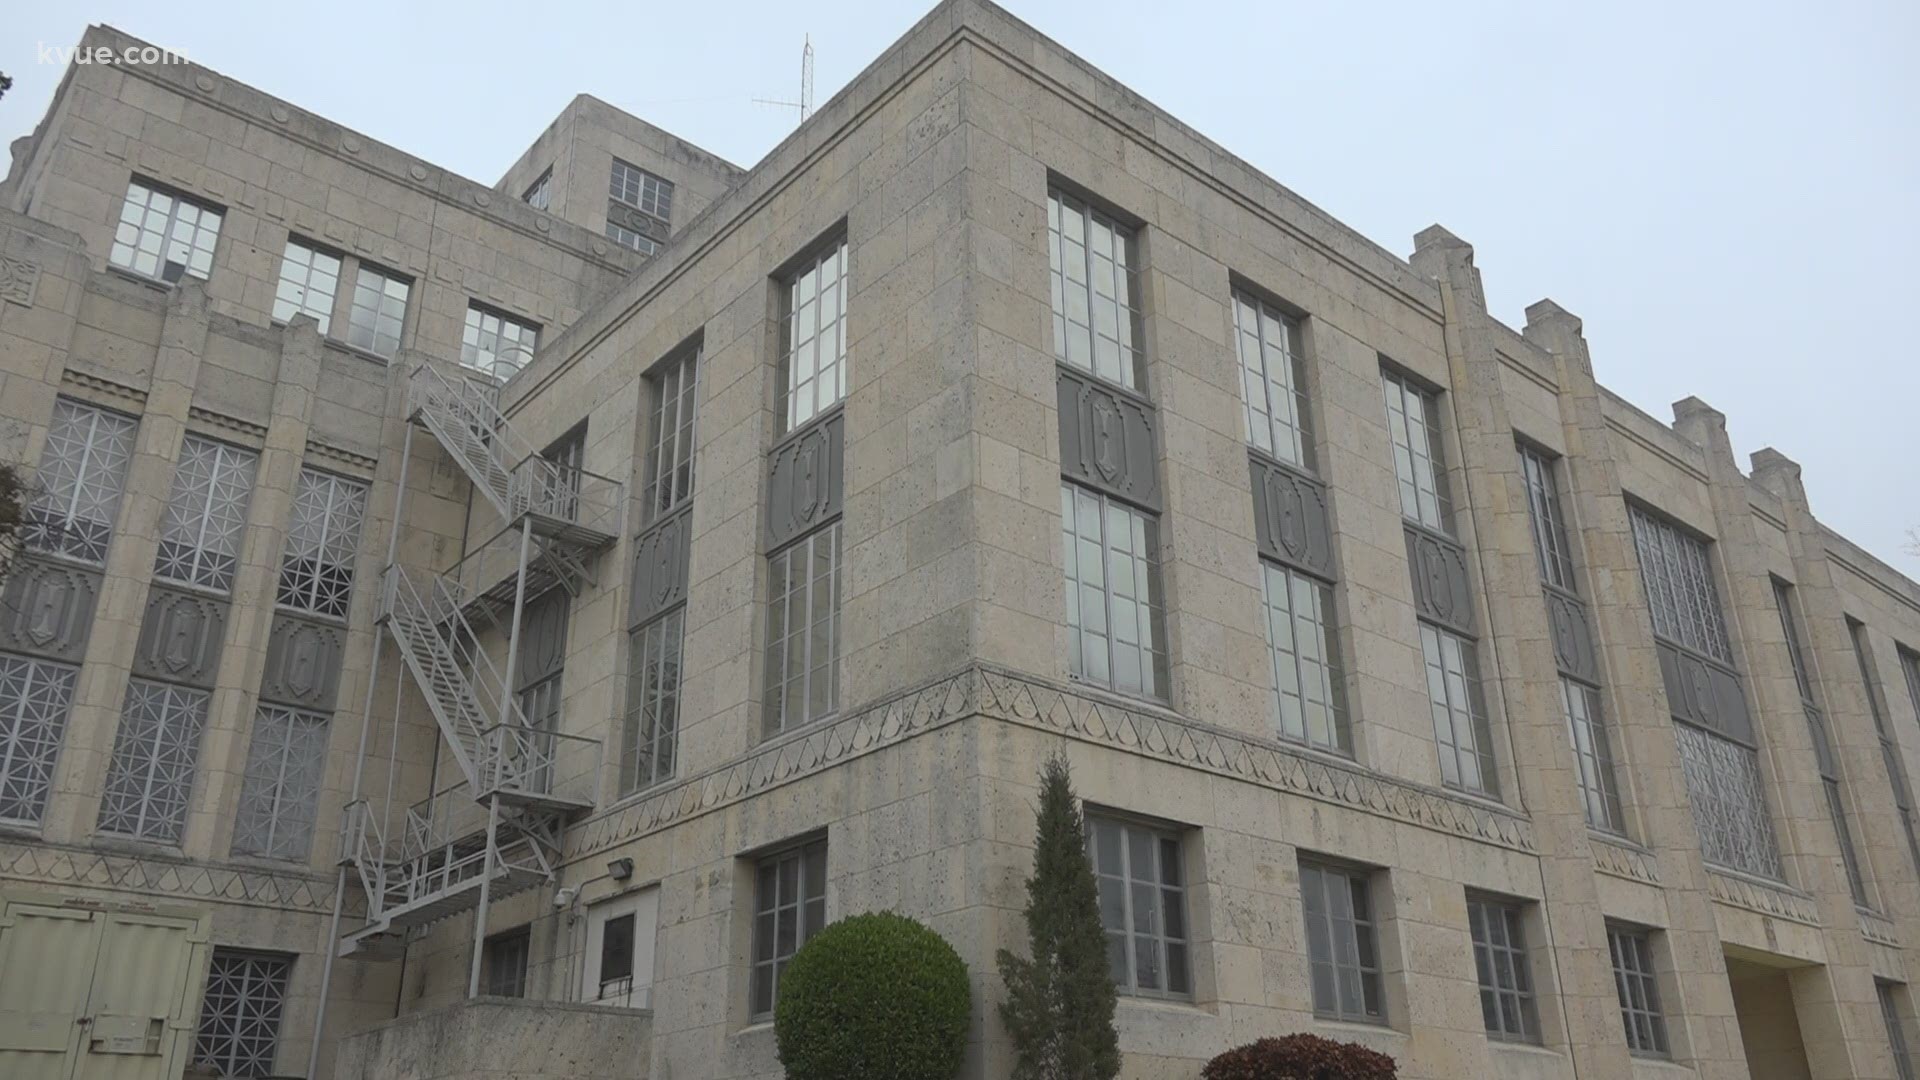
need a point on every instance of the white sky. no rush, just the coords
(1727, 193)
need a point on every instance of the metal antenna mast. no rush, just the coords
(805, 104)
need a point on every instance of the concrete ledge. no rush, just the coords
(492, 1037)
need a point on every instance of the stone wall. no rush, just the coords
(505, 1038)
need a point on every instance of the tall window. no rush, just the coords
(1896, 1030)
(206, 514)
(1114, 605)
(813, 337)
(1413, 424)
(789, 907)
(1822, 745)
(653, 702)
(379, 310)
(163, 234)
(309, 280)
(803, 630)
(1889, 747)
(1587, 728)
(82, 471)
(673, 387)
(286, 762)
(496, 344)
(641, 190)
(1460, 725)
(1143, 906)
(1721, 764)
(505, 963)
(1097, 323)
(1311, 696)
(1500, 961)
(1638, 986)
(241, 1013)
(35, 697)
(150, 773)
(316, 573)
(539, 194)
(1273, 380)
(1343, 948)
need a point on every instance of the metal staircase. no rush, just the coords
(496, 830)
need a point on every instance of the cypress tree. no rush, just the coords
(1059, 1006)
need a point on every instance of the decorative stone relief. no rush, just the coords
(1107, 439)
(660, 566)
(804, 479)
(543, 637)
(47, 608)
(17, 279)
(303, 663)
(1625, 861)
(1441, 588)
(637, 220)
(1022, 699)
(1878, 929)
(1777, 901)
(180, 637)
(1572, 636)
(144, 875)
(1290, 517)
(1704, 693)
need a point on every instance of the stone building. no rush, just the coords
(436, 592)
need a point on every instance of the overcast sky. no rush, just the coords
(1728, 194)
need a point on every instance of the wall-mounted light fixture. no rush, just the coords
(620, 869)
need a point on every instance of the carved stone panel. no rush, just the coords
(180, 637)
(543, 637)
(1705, 693)
(804, 480)
(303, 663)
(1572, 636)
(17, 279)
(1441, 587)
(660, 567)
(47, 609)
(1290, 517)
(1107, 439)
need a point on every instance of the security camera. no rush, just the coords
(563, 898)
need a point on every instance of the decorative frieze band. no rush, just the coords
(1107, 439)
(1290, 517)
(1624, 861)
(103, 391)
(228, 427)
(154, 875)
(342, 459)
(1777, 901)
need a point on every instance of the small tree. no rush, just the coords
(1300, 1057)
(1060, 999)
(13, 512)
(873, 997)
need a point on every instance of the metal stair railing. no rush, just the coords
(508, 471)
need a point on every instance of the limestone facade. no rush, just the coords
(902, 775)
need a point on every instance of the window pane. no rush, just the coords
(1114, 605)
(1461, 729)
(280, 796)
(309, 279)
(35, 697)
(1412, 424)
(1635, 981)
(379, 310)
(323, 539)
(1142, 906)
(164, 236)
(1273, 381)
(790, 895)
(813, 344)
(668, 479)
(1310, 692)
(76, 496)
(240, 1015)
(1096, 313)
(496, 344)
(653, 703)
(1723, 785)
(206, 514)
(803, 631)
(1679, 582)
(150, 774)
(1343, 953)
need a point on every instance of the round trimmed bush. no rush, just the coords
(873, 997)
(1300, 1057)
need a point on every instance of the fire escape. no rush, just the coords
(496, 829)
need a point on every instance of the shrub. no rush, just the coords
(1300, 1057)
(873, 997)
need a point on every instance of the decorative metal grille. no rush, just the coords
(1460, 725)
(803, 630)
(309, 280)
(1896, 1030)
(206, 514)
(641, 190)
(281, 794)
(34, 699)
(150, 775)
(1097, 323)
(1680, 591)
(240, 1015)
(626, 237)
(1273, 381)
(1639, 990)
(1550, 545)
(378, 312)
(789, 907)
(1143, 906)
(1413, 422)
(1310, 703)
(1506, 982)
(813, 339)
(540, 195)
(653, 703)
(1592, 755)
(1342, 952)
(1729, 810)
(83, 469)
(164, 235)
(669, 476)
(316, 574)
(496, 344)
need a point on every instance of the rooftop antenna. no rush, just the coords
(805, 104)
